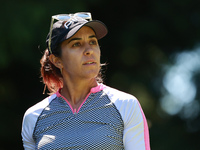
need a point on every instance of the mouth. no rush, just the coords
(89, 63)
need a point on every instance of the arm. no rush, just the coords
(136, 133)
(29, 121)
(27, 132)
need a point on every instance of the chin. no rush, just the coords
(92, 74)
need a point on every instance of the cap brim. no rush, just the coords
(99, 28)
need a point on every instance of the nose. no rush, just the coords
(88, 50)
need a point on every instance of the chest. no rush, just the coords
(98, 125)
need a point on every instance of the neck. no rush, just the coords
(76, 91)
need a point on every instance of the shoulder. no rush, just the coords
(127, 104)
(37, 108)
(119, 97)
(30, 119)
(136, 135)
(32, 114)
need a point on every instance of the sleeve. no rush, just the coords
(136, 133)
(29, 122)
(27, 132)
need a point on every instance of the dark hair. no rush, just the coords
(51, 75)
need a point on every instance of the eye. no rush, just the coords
(93, 42)
(76, 44)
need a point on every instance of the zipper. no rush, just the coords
(93, 90)
(74, 111)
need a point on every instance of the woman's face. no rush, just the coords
(81, 55)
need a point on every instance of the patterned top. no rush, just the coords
(101, 122)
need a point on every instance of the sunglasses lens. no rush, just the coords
(62, 17)
(84, 15)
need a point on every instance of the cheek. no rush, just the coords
(98, 53)
(66, 60)
(71, 61)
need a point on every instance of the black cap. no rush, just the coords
(63, 30)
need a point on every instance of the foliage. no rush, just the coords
(143, 36)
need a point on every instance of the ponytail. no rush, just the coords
(51, 75)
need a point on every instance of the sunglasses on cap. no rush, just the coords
(67, 17)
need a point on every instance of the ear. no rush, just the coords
(56, 61)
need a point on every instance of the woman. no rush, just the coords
(81, 112)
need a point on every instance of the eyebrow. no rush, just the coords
(74, 39)
(92, 36)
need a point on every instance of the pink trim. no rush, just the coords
(146, 130)
(96, 89)
(59, 95)
(83, 102)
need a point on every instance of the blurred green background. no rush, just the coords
(152, 51)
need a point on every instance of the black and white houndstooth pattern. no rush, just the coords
(98, 125)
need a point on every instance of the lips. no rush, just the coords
(89, 62)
